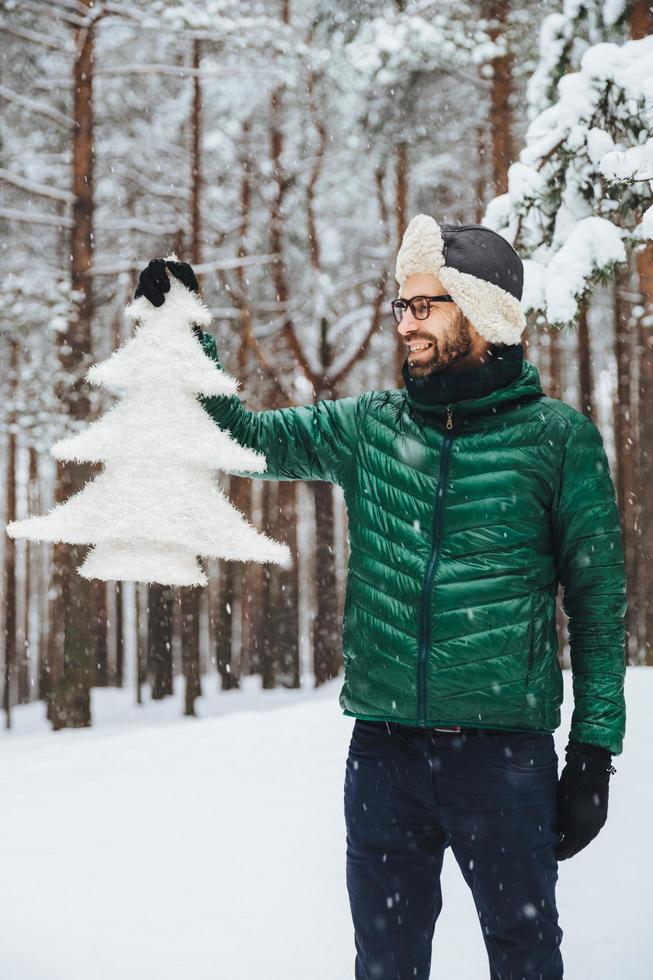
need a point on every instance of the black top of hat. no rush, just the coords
(484, 253)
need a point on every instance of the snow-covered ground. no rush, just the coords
(159, 848)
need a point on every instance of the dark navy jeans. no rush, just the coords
(491, 796)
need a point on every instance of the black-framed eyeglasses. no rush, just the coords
(420, 306)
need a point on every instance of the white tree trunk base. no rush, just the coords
(163, 564)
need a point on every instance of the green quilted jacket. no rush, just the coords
(462, 520)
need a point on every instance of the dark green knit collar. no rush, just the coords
(447, 387)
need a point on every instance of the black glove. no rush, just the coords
(153, 283)
(582, 796)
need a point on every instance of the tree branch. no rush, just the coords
(34, 106)
(25, 35)
(42, 190)
(36, 218)
(373, 327)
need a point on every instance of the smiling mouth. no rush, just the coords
(420, 348)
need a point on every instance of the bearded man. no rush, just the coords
(470, 496)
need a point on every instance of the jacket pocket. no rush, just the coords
(538, 635)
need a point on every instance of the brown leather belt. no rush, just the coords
(451, 729)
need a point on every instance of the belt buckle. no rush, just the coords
(450, 728)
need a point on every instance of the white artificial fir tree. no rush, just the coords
(157, 506)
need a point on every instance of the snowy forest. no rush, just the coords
(281, 147)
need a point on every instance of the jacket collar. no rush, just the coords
(507, 376)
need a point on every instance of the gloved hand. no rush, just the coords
(153, 283)
(582, 796)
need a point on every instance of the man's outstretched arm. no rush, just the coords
(308, 442)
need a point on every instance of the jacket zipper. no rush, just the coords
(436, 537)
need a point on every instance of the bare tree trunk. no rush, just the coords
(480, 202)
(327, 652)
(70, 705)
(159, 640)
(190, 647)
(500, 98)
(641, 19)
(401, 215)
(641, 25)
(325, 632)
(644, 496)
(241, 497)
(45, 627)
(500, 110)
(100, 626)
(585, 364)
(246, 576)
(625, 442)
(142, 638)
(10, 549)
(225, 661)
(44, 624)
(267, 645)
(287, 633)
(196, 159)
(33, 572)
(30, 652)
(253, 611)
(120, 639)
(401, 190)
(279, 640)
(555, 364)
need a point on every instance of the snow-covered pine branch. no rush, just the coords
(564, 38)
(579, 194)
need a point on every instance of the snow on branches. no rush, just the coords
(564, 37)
(156, 506)
(582, 190)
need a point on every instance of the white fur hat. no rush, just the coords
(480, 270)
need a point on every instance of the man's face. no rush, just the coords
(447, 332)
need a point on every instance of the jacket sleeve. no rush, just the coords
(590, 562)
(312, 442)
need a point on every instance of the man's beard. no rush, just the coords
(445, 352)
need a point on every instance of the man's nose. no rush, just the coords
(407, 324)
